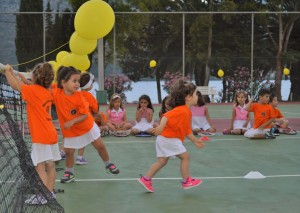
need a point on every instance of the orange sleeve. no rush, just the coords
(278, 113)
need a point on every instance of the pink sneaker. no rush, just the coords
(190, 183)
(147, 184)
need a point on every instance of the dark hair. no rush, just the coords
(272, 96)
(65, 73)
(179, 91)
(163, 109)
(237, 94)
(147, 98)
(43, 74)
(263, 92)
(84, 79)
(201, 101)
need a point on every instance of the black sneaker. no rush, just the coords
(269, 135)
(112, 169)
(274, 131)
(68, 177)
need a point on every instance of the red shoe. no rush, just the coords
(190, 183)
(147, 184)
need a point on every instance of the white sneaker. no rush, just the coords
(81, 161)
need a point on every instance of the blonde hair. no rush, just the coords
(114, 97)
(237, 94)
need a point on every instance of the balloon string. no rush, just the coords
(26, 62)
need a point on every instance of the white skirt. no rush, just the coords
(200, 123)
(250, 133)
(79, 142)
(44, 152)
(143, 125)
(166, 147)
(238, 124)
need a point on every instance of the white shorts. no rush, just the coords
(166, 147)
(238, 124)
(143, 125)
(200, 123)
(250, 133)
(79, 142)
(44, 152)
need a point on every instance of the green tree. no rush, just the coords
(29, 34)
(278, 27)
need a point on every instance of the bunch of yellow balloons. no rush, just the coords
(93, 20)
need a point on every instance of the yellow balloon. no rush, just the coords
(61, 55)
(94, 19)
(152, 63)
(80, 62)
(80, 45)
(286, 71)
(54, 65)
(220, 73)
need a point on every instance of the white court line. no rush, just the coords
(293, 113)
(212, 138)
(179, 178)
(168, 178)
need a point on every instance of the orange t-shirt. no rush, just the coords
(179, 123)
(262, 114)
(70, 107)
(93, 104)
(38, 107)
(278, 113)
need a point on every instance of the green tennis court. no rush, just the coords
(272, 167)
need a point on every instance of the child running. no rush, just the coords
(174, 126)
(116, 114)
(240, 121)
(77, 124)
(201, 121)
(143, 117)
(264, 116)
(45, 150)
(281, 124)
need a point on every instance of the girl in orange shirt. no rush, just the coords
(76, 122)
(174, 126)
(86, 84)
(45, 150)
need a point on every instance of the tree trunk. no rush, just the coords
(207, 68)
(295, 83)
(157, 74)
(278, 77)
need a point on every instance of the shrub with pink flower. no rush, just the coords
(170, 78)
(118, 83)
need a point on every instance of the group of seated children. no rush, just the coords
(268, 120)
